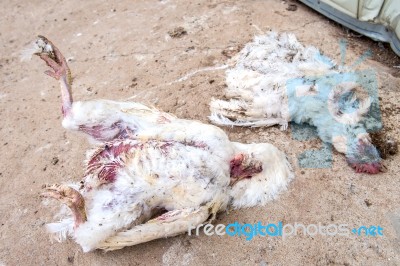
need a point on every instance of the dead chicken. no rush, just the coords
(152, 175)
(277, 80)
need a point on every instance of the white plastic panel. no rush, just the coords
(397, 31)
(390, 14)
(349, 7)
(368, 10)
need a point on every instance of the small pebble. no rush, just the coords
(291, 7)
(367, 202)
(177, 32)
(70, 259)
(54, 161)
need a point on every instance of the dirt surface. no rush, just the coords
(124, 51)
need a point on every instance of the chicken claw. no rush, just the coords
(54, 59)
(70, 197)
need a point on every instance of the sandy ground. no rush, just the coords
(123, 51)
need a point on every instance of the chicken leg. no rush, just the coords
(56, 61)
(169, 224)
(124, 118)
(70, 197)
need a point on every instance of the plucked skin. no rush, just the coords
(257, 95)
(150, 174)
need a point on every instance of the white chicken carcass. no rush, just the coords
(152, 175)
(259, 93)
